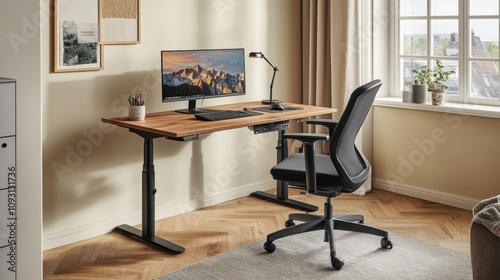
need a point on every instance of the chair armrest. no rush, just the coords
(328, 123)
(306, 137)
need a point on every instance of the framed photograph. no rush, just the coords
(77, 36)
(120, 22)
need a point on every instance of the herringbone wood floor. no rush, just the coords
(227, 226)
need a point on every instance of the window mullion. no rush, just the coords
(464, 55)
(430, 39)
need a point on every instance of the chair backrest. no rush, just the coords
(350, 165)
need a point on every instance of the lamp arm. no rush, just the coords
(272, 82)
(275, 69)
(265, 58)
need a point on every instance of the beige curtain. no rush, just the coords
(330, 55)
(331, 51)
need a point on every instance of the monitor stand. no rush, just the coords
(192, 108)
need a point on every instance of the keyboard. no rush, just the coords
(222, 115)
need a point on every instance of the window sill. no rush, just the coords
(447, 107)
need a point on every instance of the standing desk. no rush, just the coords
(185, 127)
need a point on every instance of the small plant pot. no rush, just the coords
(419, 93)
(407, 96)
(438, 97)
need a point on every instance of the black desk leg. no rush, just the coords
(281, 196)
(148, 205)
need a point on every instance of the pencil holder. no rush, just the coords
(136, 113)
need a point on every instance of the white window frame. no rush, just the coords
(464, 58)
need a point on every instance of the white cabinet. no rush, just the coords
(7, 107)
(8, 182)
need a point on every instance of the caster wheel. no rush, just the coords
(269, 246)
(386, 243)
(337, 263)
(289, 223)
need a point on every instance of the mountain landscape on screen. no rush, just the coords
(199, 81)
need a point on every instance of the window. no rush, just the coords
(463, 34)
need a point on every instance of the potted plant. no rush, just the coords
(434, 79)
(420, 87)
(436, 84)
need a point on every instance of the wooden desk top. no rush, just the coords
(173, 124)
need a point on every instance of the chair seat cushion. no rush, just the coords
(292, 170)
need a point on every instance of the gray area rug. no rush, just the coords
(306, 256)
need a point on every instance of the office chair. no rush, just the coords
(343, 171)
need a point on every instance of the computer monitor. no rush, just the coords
(198, 74)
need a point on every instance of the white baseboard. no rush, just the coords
(427, 194)
(76, 234)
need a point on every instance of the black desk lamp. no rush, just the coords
(270, 100)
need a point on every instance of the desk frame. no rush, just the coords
(156, 129)
(281, 196)
(148, 201)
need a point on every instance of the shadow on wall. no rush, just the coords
(87, 164)
(78, 148)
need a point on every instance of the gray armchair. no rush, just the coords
(485, 239)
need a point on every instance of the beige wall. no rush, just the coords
(20, 59)
(92, 172)
(443, 156)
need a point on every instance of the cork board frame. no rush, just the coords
(77, 36)
(120, 22)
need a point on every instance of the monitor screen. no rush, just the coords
(197, 74)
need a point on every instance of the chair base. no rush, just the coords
(328, 223)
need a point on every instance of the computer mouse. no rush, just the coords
(277, 106)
